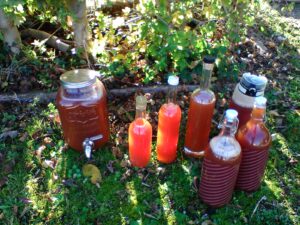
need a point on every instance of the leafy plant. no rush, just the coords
(173, 38)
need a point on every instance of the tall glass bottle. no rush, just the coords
(245, 92)
(140, 135)
(168, 125)
(255, 141)
(221, 164)
(202, 104)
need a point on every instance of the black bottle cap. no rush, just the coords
(209, 59)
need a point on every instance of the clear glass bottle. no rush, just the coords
(221, 164)
(255, 141)
(82, 107)
(169, 117)
(202, 105)
(140, 135)
(245, 92)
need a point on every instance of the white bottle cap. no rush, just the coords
(260, 102)
(231, 115)
(173, 80)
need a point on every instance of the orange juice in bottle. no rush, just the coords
(140, 135)
(168, 125)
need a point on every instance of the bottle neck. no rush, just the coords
(258, 114)
(228, 128)
(172, 94)
(140, 113)
(206, 76)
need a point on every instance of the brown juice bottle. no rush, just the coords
(245, 92)
(82, 107)
(255, 141)
(221, 164)
(202, 104)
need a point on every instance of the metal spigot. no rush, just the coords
(88, 145)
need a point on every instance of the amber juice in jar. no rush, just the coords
(82, 107)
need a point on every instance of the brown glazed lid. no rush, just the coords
(78, 78)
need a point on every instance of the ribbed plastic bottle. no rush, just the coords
(255, 141)
(221, 164)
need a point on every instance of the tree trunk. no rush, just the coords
(80, 24)
(10, 33)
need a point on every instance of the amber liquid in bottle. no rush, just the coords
(220, 166)
(255, 141)
(83, 114)
(244, 112)
(202, 104)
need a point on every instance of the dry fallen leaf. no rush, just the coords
(90, 170)
(117, 152)
(48, 163)
(274, 112)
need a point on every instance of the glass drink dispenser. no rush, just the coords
(82, 105)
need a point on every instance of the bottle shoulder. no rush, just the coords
(141, 123)
(254, 134)
(204, 96)
(225, 148)
(170, 109)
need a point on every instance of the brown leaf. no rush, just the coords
(274, 112)
(48, 163)
(271, 44)
(124, 163)
(47, 140)
(3, 181)
(39, 151)
(1, 157)
(15, 209)
(23, 137)
(117, 152)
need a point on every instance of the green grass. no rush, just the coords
(35, 194)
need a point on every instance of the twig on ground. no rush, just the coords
(257, 204)
(150, 216)
(145, 184)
